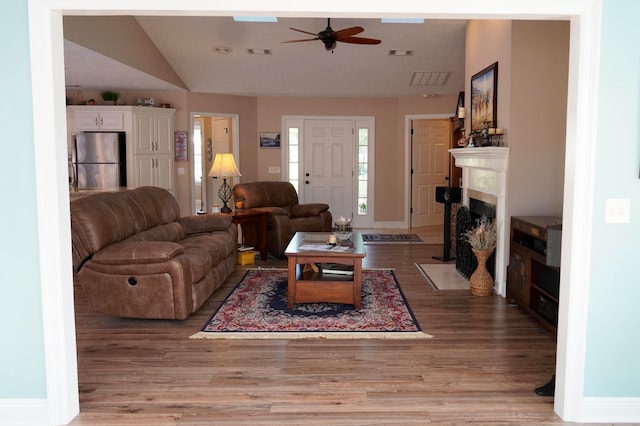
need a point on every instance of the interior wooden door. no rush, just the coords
(430, 168)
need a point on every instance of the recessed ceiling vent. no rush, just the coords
(397, 52)
(424, 78)
(259, 51)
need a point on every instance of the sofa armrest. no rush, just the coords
(307, 210)
(137, 252)
(202, 223)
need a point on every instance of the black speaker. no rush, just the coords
(448, 194)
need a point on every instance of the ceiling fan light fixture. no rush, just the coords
(398, 52)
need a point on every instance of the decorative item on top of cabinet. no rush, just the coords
(534, 266)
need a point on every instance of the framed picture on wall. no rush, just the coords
(181, 145)
(484, 98)
(269, 140)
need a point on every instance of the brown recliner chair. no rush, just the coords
(286, 216)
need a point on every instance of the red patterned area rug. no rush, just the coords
(257, 309)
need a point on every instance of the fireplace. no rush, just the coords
(484, 191)
(467, 217)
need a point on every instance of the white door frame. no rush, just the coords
(361, 221)
(235, 148)
(407, 158)
(52, 199)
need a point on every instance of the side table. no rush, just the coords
(254, 228)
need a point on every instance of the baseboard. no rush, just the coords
(610, 410)
(25, 412)
(389, 225)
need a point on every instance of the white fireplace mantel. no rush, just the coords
(484, 170)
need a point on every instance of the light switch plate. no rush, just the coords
(274, 169)
(180, 170)
(617, 210)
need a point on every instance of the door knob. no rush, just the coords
(306, 174)
(306, 182)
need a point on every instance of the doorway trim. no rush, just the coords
(49, 139)
(407, 157)
(369, 122)
(235, 146)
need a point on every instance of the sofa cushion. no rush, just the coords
(137, 252)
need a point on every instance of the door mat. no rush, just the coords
(391, 238)
(443, 276)
(257, 309)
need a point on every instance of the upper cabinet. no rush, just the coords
(153, 131)
(99, 120)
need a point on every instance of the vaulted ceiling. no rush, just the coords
(212, 55)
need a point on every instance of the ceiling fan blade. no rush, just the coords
(303, 31)
(297, 41)
(360, 40)
(347, 32)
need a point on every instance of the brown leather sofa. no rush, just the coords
(135, 257)
(286, 216)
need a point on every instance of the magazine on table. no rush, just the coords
(337, 269)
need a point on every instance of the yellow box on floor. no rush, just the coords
(246, 257)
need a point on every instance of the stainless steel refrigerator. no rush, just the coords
(99, 160)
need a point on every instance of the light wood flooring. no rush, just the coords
(481, 367)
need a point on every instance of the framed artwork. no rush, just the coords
(484, 98)
(269, 140)
(181, 145)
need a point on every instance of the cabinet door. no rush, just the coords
(145, 171)
(99, 120)
(164, 134)
(517, 281)
(144, 133)
(87, 120)
(111, 121)
(164, 173)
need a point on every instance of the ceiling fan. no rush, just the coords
(330, 38)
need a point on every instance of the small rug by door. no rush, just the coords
(391, 238)
(257, 309)
(443, 276)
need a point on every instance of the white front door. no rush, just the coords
(429, 161)
(328, 173)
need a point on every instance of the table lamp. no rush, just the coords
(224, 166)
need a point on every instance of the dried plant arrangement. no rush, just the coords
(484, 236)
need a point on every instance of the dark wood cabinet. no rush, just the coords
(533, 280)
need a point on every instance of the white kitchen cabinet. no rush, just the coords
(155, 171)
(99, 120)
(149, 138)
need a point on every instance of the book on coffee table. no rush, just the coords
(337, 269)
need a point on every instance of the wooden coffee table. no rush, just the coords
(306, 285)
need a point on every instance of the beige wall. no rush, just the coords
(389, 116)
(533, 63)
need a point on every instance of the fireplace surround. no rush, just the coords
(484, 177)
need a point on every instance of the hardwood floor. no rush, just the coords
(481, 367)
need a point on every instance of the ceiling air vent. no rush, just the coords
(259, 51)
(398, 52)
(423, 78)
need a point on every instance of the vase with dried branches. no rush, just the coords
(482, 238)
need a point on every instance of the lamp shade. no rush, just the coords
(224, 166)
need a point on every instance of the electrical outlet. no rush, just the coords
(180, 170)
(274, 169)
(617, 210)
